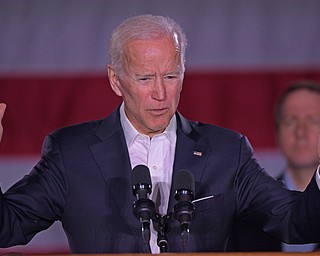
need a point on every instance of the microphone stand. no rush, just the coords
(162, 240)
(143, 209)
(184, 213)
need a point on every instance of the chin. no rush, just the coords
(158, 128)
(305, 164)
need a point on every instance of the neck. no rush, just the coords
(301, 177)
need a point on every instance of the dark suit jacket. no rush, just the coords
(248, 238)
(84, 180)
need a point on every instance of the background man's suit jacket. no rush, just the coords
(84, 180)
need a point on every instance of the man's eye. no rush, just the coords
(313, 121)
(171, 77)
(289, 122)
(143, 78)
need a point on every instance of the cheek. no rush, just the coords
(174, 94)
(285, 139)
(133, 95)
(314, 133)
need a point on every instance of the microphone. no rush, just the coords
(143, 207)
(184, 209)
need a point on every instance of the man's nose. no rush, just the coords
(159, 89)
(301, 129)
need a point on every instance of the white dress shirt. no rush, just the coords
(158, 154)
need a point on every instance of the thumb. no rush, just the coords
(2, 110)
(318, 148)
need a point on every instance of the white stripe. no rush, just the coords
(72, 36)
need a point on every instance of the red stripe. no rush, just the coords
(242, 101)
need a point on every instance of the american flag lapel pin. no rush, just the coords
(197, 153)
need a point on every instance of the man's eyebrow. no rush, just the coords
(144, 74)
(173, 72)
(147, 74)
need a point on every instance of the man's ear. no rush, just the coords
(114, 80)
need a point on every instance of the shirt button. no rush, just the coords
(154, 167)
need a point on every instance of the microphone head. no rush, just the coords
(184, 183)
(141, 179)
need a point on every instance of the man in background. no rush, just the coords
(297, 119)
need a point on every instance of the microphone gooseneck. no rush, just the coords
(184, 188)
(143, 207)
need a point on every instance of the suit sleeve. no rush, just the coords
(36, 201)
(291, 216)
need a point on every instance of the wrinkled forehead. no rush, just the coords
(152, 51)
(170, 41)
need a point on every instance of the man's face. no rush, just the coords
(299, 129)
(150, 84)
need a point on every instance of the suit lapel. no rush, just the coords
(191, 154)
(113, 160)
(111, 152)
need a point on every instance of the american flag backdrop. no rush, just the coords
(53, 58)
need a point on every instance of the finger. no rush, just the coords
(318, 148)
(2, 110)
